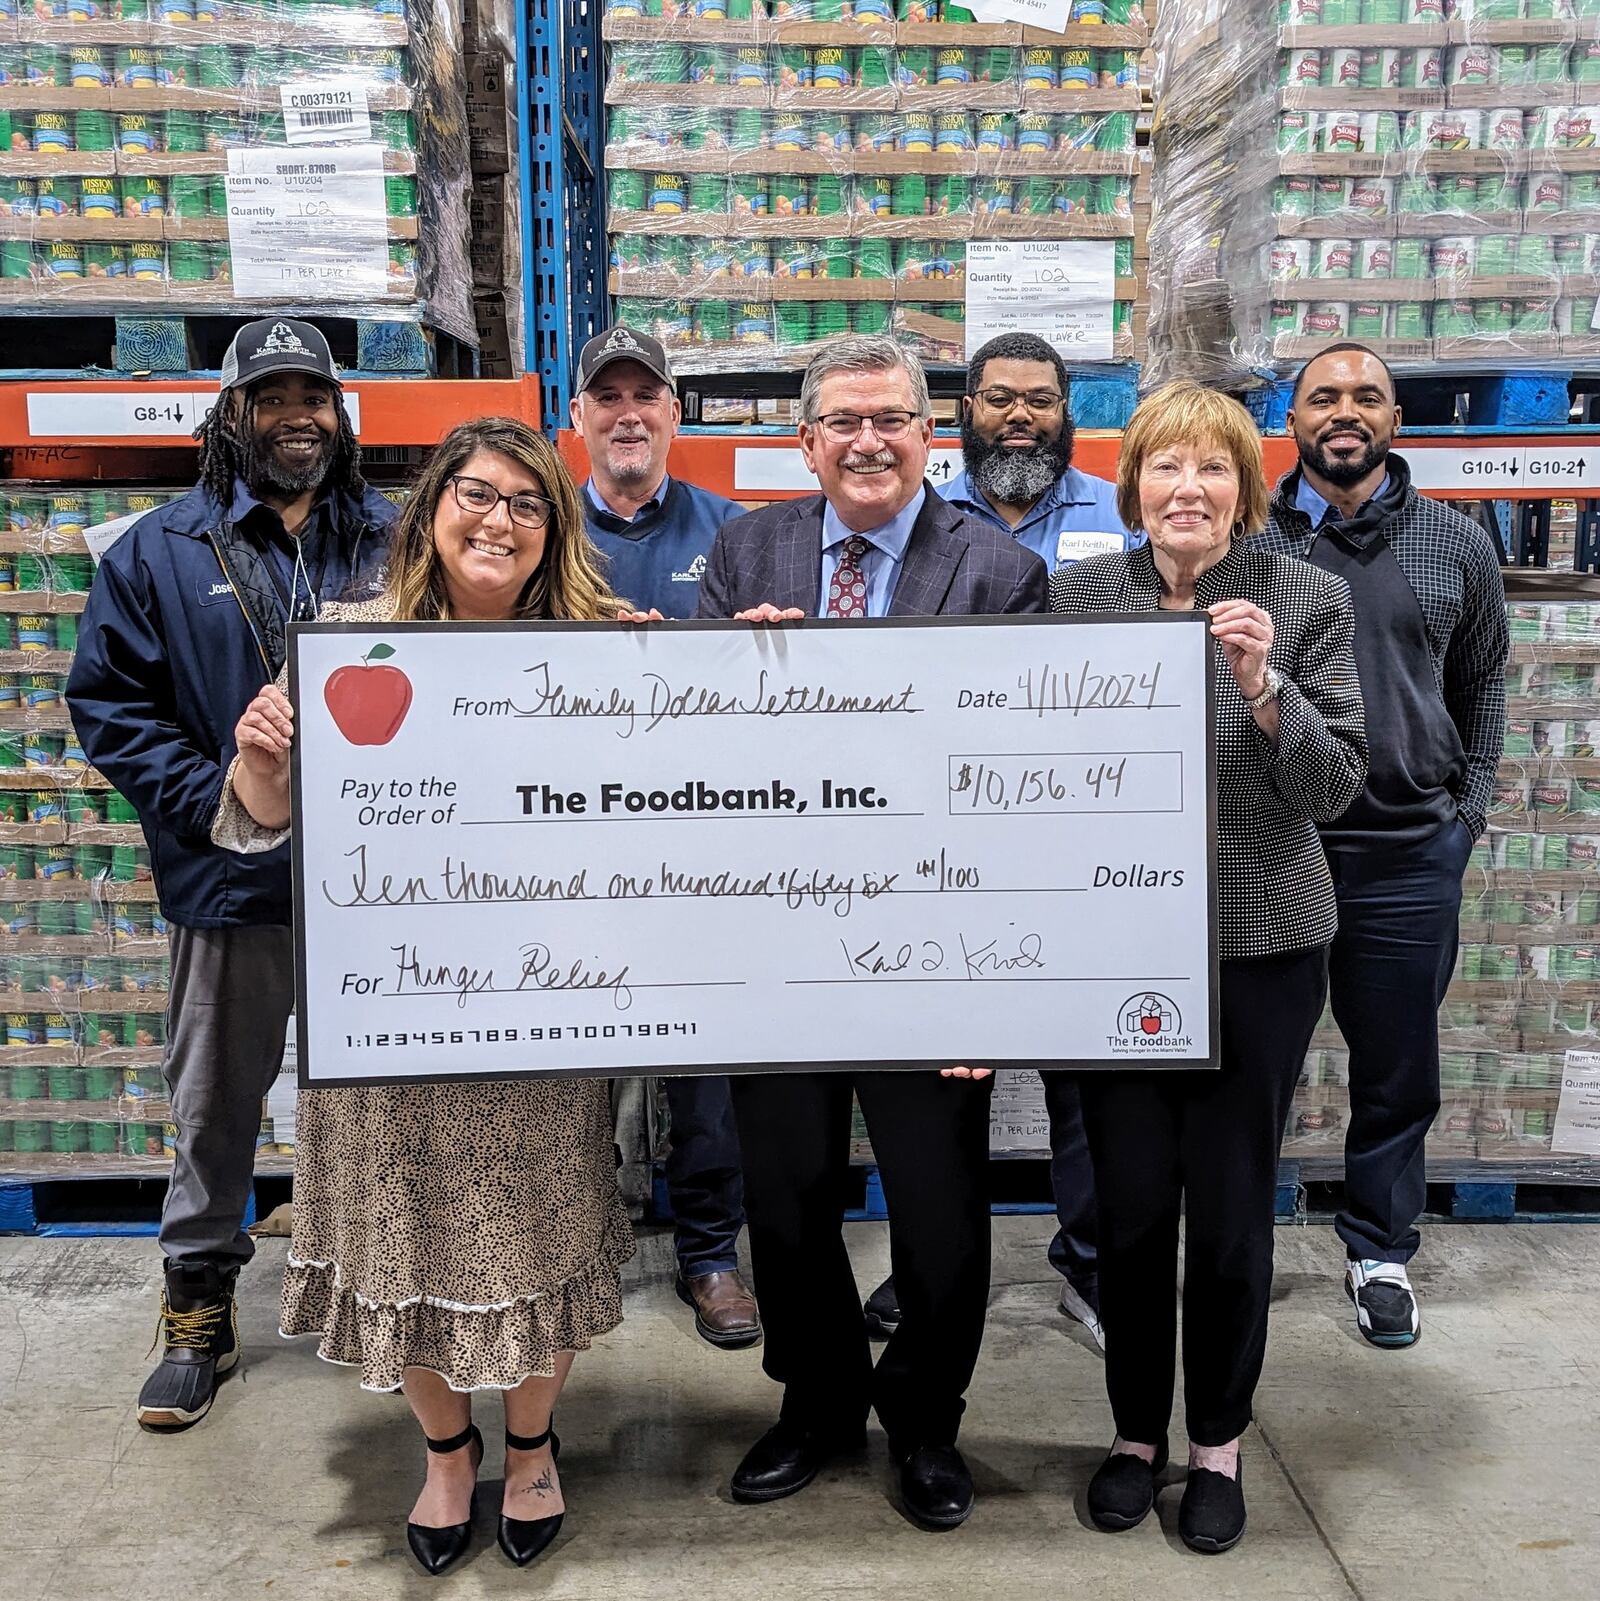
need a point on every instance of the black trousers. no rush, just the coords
(1389, 968)
(1072, 1251)
(1208, 1143)
(931, 1139)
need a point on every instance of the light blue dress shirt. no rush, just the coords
(1316, 508)
(1075, 506)
(880, 566)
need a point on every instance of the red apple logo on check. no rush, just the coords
(369, 703)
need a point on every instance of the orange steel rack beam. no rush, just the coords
(94, 426)
(1562, 465)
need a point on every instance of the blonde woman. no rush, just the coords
(450, 1238)
(1291, 753)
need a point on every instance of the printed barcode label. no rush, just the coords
(329, 111)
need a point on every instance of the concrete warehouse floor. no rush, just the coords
(1463, 1468)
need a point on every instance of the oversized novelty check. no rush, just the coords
(714, 847)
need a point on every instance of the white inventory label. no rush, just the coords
(1051, 14)
(1060, 289)
(1577, 1126)
(331, 111)
(308, 224)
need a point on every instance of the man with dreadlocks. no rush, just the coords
(186, 621)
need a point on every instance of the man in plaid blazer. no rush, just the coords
(1431, 647)
(877, 542)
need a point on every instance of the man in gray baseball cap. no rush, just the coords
(186, 621)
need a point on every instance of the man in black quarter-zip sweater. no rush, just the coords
(1431, 648)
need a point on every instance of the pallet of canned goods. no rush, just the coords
(84, 966)
(763, 195)
(115, 158)
(1433, 190)
(1526, 986)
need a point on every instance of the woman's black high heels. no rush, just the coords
(522, 1539)
(438, 1549)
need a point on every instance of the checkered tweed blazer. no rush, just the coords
(1274, 893)
(955, 565)
(1453, 568)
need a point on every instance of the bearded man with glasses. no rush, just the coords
(877, 542)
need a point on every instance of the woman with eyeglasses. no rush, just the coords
(451, 1238)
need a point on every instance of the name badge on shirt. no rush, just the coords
(1074, 545)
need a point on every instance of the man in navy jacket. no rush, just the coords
(186, 621)
(655, 532)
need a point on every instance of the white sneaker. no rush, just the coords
(1386, 1305)
(1074, 1306)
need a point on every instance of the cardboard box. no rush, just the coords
(491, 117)
(490, 208)
(496, 354)
(488, 25)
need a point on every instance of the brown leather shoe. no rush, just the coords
(724, 1309)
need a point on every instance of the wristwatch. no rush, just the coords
(1274, 682)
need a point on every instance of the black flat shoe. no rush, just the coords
(522, 1539)
(936, 1486)
(1211, 1515)
(1124, 1489)
(785, 1459)
(438, 1549)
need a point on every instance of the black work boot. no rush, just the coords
(200, 1329)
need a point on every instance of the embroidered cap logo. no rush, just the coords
(281, 340)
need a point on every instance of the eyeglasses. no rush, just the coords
(843, 426)
(1039, 401)
(474, 495)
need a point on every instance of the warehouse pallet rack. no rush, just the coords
(561, 143)
(567, 284)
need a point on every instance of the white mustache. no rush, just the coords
(881, 458)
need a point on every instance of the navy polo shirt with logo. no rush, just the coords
(656, 558)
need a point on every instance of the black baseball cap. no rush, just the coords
(623, 344)
(277, 344)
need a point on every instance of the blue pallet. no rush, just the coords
(1103, 397)
(21, 1203)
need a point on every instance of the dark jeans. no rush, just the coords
(1388, 970)
(1206, 1143)
(1072, 1251)
(703, 1174)
(931, 1139)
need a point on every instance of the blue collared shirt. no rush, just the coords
(1316, 508)
(1076, 518)
(880, 566)
(299, 565)
(654, 503)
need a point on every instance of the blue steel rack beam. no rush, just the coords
(562, 181)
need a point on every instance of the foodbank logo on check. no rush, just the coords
(368, 703)
(1149, 1021)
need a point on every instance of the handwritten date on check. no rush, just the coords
(546, 848)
